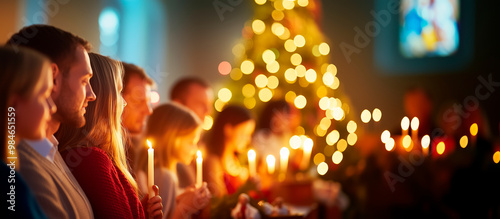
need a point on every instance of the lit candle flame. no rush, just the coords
(149, 144)
(405, 123)
(415, 123)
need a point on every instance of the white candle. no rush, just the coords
(252, 167)
(425, 142)
(414, 130)
(271, 164)
(284, 153)
(405, 125)
(307, 148)
(199, 169)
(151, 169)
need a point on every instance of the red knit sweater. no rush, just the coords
(107, 189)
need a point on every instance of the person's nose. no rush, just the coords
(90, 93)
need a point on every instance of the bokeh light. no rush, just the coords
(440, 148)
(224, 68)
(260, 2)
(273, 67)
(300, 102)
(405, 123)
(376, 114)
(295, 142)
(155, 97)
(496, 157)
(225, 95)
(273, 82)
(337, 157)
(474, 129)
(247, 67)
(290, 75)
(365, 116)
(351, 126)
(324, 49)
(295, 59)
(406, 141)
(311, 76)
(352, 138)
(385, 136)
(464, 141)
(207, 123)
(268, 56)
(426, 141)
(258, 26)
(322, 168)
(299, 41)
(414, 123)
(261, 81)
(265, 94)
(318, 158)
(332, 137)
(290, 45)
(342, 145)
(389, 144)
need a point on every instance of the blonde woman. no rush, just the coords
(26, 109)
(96, 155)
(174, 131)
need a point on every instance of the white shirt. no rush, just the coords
(44, 147)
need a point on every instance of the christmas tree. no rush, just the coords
(283, 54)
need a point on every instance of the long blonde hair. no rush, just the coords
(165, 126)
(103, 127)
(21, 73)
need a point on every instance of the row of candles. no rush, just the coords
(151, 174)
(252, 165)
(408, 142)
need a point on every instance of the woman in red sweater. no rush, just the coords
(95, 153)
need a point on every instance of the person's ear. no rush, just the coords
(57, 78)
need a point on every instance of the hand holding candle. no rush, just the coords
(199, 169)
(151, 170)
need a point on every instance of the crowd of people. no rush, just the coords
(75, 125)
(80, 120)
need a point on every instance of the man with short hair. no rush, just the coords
(46, 173)
(195, 94)
(137, 93)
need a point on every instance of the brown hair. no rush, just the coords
(231, 115)
(20, 74)
(167, 123)
(179, 90)
(134, 70)
(103, 127)
(57, 44)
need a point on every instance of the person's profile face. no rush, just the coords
(75, 91)
(187, 145)
(138, 98)
(240, 135)
(34, 113)
(199, 99)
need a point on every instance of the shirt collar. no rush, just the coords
(44, 147)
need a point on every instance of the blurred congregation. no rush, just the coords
(249, 109)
